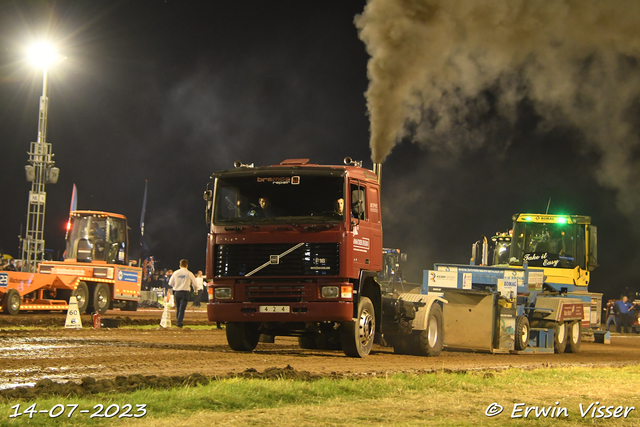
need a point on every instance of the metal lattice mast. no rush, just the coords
(39, 171)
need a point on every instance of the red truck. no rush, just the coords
(295, 249)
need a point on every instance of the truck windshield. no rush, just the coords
(279, 198)
(544, 245)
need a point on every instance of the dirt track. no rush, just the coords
(30, 355)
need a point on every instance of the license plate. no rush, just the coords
(274, 309)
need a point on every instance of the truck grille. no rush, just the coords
(310, 259)
(280, 293)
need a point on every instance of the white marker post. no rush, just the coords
(166, 317)
(73, 315)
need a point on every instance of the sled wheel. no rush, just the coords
(101, 299)
(429, 342)
(522, 332)
(11, 302)
(82, 296)
(575, 336)
(560, 340)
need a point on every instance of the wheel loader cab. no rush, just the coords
(97, 237)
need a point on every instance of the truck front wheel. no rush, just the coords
(357, 335)
(243, 336)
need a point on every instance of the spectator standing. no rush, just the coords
(165, 281)
(200, 280)
(181, 282)
(611, 313)
(623, 315)
(11, 266)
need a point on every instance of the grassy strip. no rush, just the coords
(403, 400)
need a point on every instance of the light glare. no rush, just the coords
(42, 54)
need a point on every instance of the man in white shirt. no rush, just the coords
(181, 282)
(200, 280)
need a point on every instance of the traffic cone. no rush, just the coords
(73, 315)
(166, 317)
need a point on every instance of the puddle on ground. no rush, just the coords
(29, 376)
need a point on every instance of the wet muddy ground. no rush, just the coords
(92, 360)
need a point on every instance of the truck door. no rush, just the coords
(376, 227)
(361, 228)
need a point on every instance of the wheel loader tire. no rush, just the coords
(11, 302)
(574, 338)
(357, 335)
(560, 339)
(430, 341)
(523, 332)
(243, 336)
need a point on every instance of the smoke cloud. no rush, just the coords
(454, 74)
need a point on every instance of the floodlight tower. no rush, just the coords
(39, 171)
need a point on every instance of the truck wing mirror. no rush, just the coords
(208, 197)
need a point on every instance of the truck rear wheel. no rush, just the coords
(11, 302)
(522, 332)
(243, 336)
(357, 335)
(560, 340)
(575, 336)
(429, 342)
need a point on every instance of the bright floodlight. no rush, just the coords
(42, 54)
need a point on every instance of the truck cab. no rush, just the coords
(294, 249)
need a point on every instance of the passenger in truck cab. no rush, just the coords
(265, 210)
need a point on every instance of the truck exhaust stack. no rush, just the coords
(377, 168)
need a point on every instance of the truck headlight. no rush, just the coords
(222, 293)
(330, 292)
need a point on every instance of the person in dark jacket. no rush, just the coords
(623, 315)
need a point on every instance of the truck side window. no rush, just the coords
(358, 202)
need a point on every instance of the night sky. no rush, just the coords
(171, 91)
